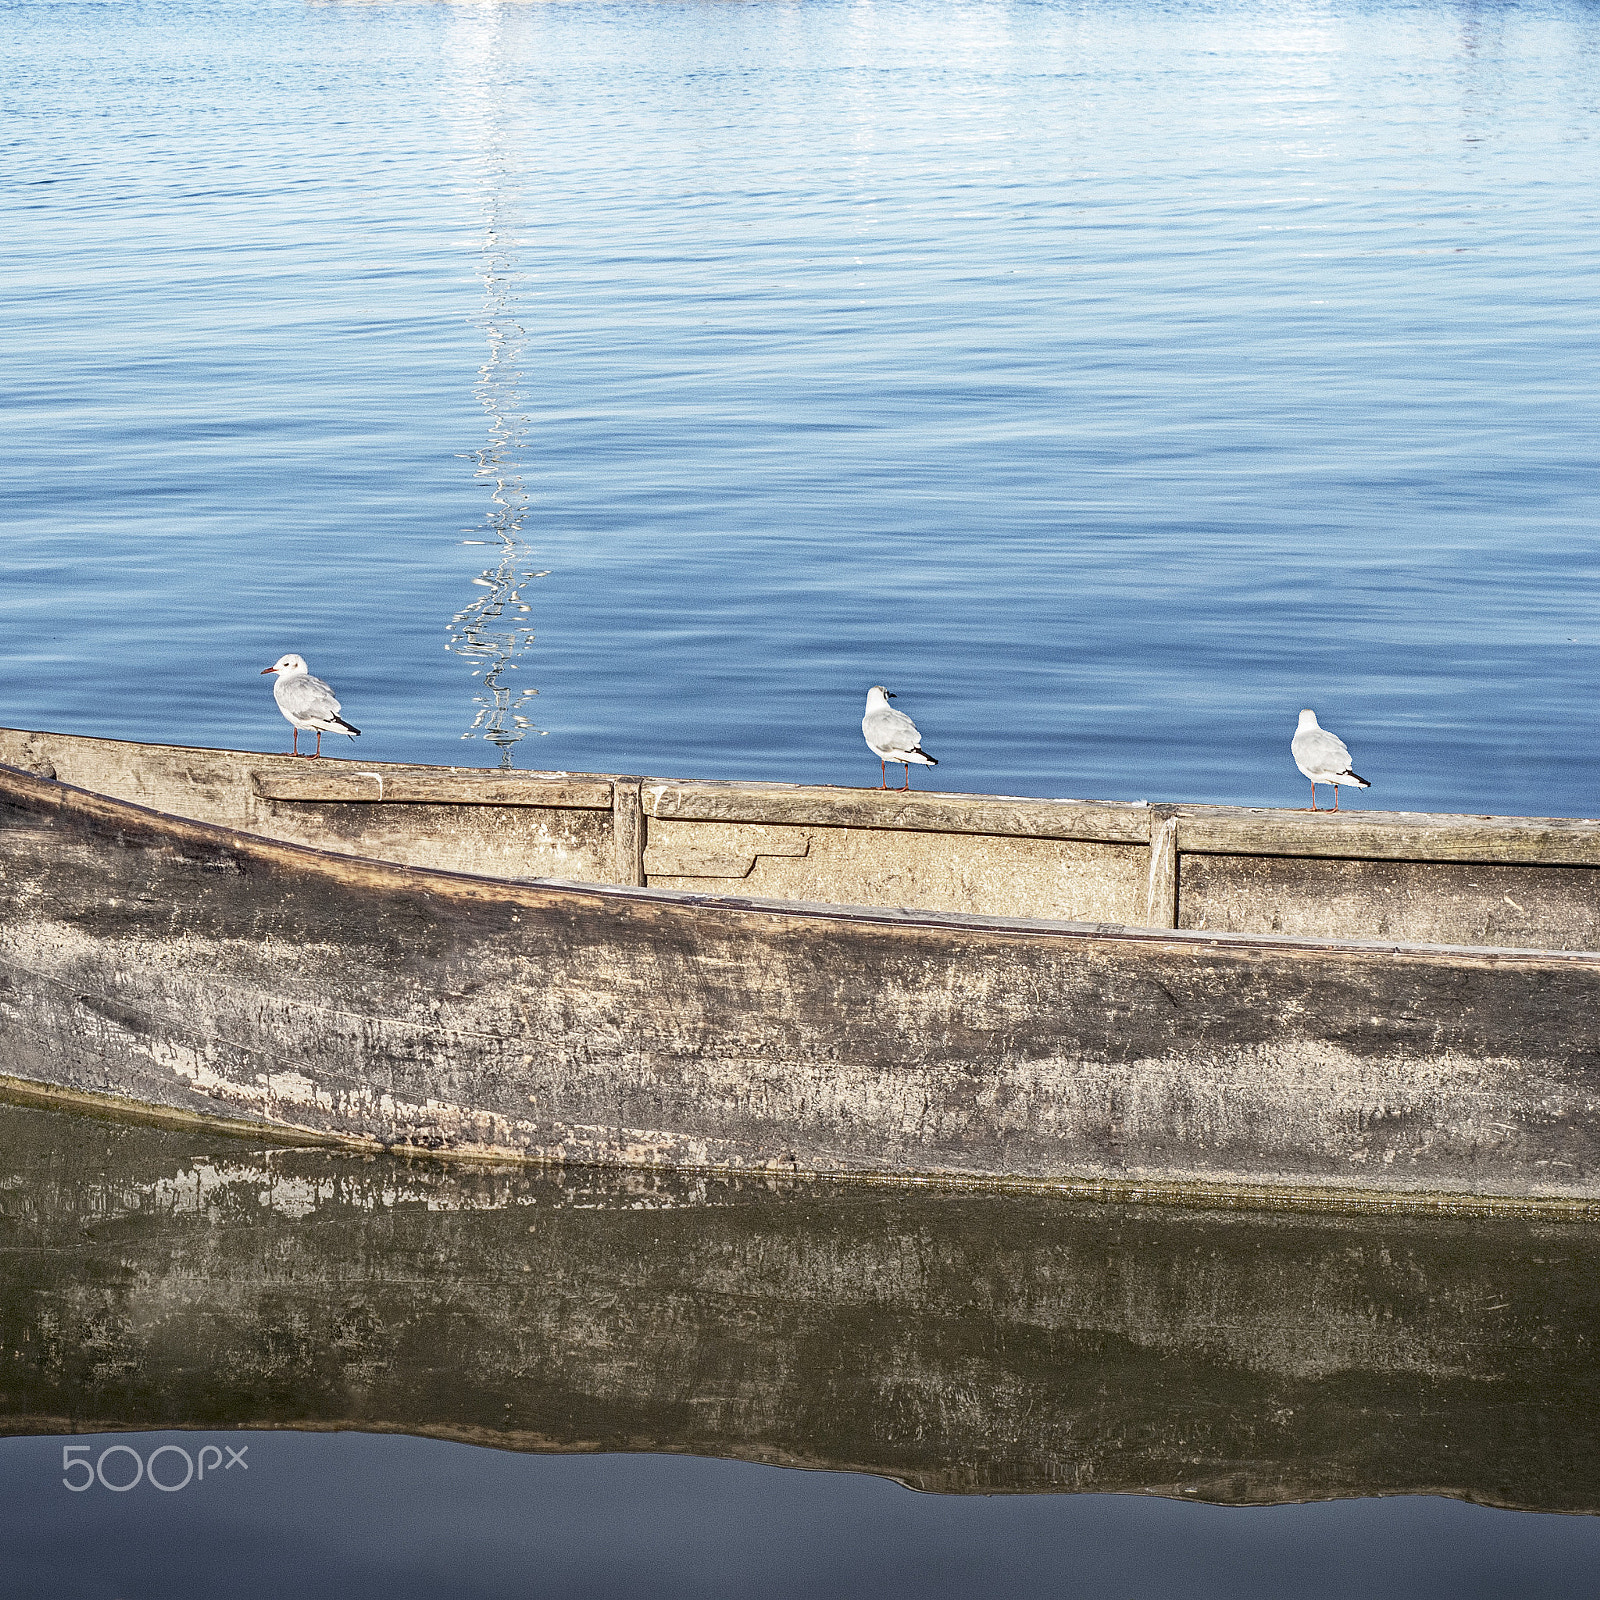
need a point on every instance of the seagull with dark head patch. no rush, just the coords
(307, 702)
(892, 736)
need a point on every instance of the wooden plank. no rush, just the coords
(668, 862)
(350, 784)
(1389, 836)
(1108, 822)
(627, 821)
(1413, 902)
(717, 849)
(1161, 894)
(127, 770)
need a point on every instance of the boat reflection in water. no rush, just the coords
(954, 1341)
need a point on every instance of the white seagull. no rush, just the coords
(307, 702)
(1322, 757)
(892, 736)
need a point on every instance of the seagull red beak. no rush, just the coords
(266, 670)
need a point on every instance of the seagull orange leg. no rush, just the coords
(295, 750)
(1313, 794)
(907, 784)
(1336, 797)
(318, 751)
(883, 768)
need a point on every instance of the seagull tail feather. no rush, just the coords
(355, 733)
(1352, 777)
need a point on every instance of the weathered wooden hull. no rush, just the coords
(207, 970)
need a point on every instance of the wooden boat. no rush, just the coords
(1374, 1008)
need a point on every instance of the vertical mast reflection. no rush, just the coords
(490, 630)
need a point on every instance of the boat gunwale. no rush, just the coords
(1194, 828)
(532, 892)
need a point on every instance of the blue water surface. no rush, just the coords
(348, 1516)
(1109, 379)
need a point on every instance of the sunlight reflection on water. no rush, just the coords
(490, 630)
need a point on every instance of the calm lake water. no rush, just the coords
(1111, 380)
(626, 387)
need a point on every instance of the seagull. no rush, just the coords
(892, 736)
(307, 702)
(1323, 758)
